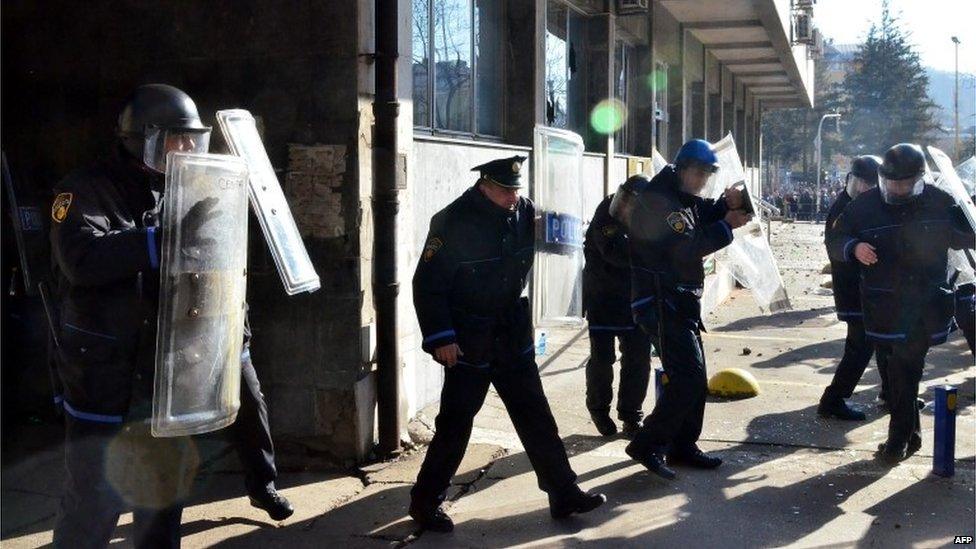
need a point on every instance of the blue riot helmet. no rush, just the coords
(697, 152)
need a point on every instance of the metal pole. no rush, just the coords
(817, 155)
(817, 143)
(386, 110)
(955, 40)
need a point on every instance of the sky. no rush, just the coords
(931, 23)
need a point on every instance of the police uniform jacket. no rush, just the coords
(470, 277)
(844, 274)
(105, 256)
(671, 232)
(908, 285)
(606, 275)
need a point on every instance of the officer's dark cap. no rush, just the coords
(506, 172)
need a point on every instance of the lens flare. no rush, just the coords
(657, 80)
(608, 116)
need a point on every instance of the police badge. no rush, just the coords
(677, 222)
(59, 209)
(431, 248)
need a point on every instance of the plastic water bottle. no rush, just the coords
(540, 342)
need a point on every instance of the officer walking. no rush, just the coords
(847, 300)
(105, 247)
(671, 229)
(606, 304)
(900, 234)
(466, 291)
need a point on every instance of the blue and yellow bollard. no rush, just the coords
(944, 456)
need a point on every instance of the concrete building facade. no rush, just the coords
(475, 78)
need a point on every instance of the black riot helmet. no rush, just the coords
(866, 167)
(904, 161)
(157, 119)
(863, 174)
(624, 201)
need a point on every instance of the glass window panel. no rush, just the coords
(488, 41)
(579, 75)
(621, 59)
(421, 62)
(557, 65)
(452, 69)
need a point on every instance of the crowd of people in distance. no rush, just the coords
(798, 199)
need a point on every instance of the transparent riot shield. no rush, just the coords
(967, 174)
(658, 162)
(203, 279)
(557, 161)
(749, 256)
(960, 261)
(951, 183)
(270, 206)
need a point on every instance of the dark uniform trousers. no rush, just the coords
(111, 467)
(680, 412)
(858, 351)
(905, 360)
(635, 368)
(93, 500)
(520, 389)
(251, 432)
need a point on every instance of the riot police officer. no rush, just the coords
(466, 291)
(606, 304)
(105, 246)
(900, 234)
(671, 229)
(847, 300)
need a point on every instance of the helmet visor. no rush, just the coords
(695, 177)
(625, 199)
(857, 185)
(902, 191)
(162, 141)
(622, 205)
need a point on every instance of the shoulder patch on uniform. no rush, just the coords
(59, 209)
(677, 222)
(609, 230)
(431, 248)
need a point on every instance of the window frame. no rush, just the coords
(582, 13)
(429, 127)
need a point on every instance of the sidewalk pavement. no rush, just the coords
(789, 478)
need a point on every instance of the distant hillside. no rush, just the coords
(941, 85)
